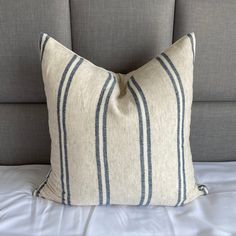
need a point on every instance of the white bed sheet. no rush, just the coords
(24, 215)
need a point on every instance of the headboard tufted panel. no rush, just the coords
(120, 36)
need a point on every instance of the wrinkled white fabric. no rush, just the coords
(22, 214)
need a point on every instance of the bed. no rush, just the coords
(119, 36)
(22, 214)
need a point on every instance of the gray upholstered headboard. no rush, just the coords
(120, 36)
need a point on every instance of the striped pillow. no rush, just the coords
(119, 139)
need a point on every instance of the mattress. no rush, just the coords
(22, 214)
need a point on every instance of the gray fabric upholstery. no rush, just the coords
(213, 131)
(121, 35)
(25, 137)
(24, 134)
(20, 25)
(214, 24)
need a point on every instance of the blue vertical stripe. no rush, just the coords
(44, 183)
(178, 124)
(106, 167)
(183, 117)
(192, 44)
(148, 131)
(97, 143)
(59, 124)
(43, 46)
(64, 125)
(141, 144)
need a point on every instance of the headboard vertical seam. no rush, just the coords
(173, 32)
(71, 31)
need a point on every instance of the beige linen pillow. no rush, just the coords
(119, 139)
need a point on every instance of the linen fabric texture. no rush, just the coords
(119, 138)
